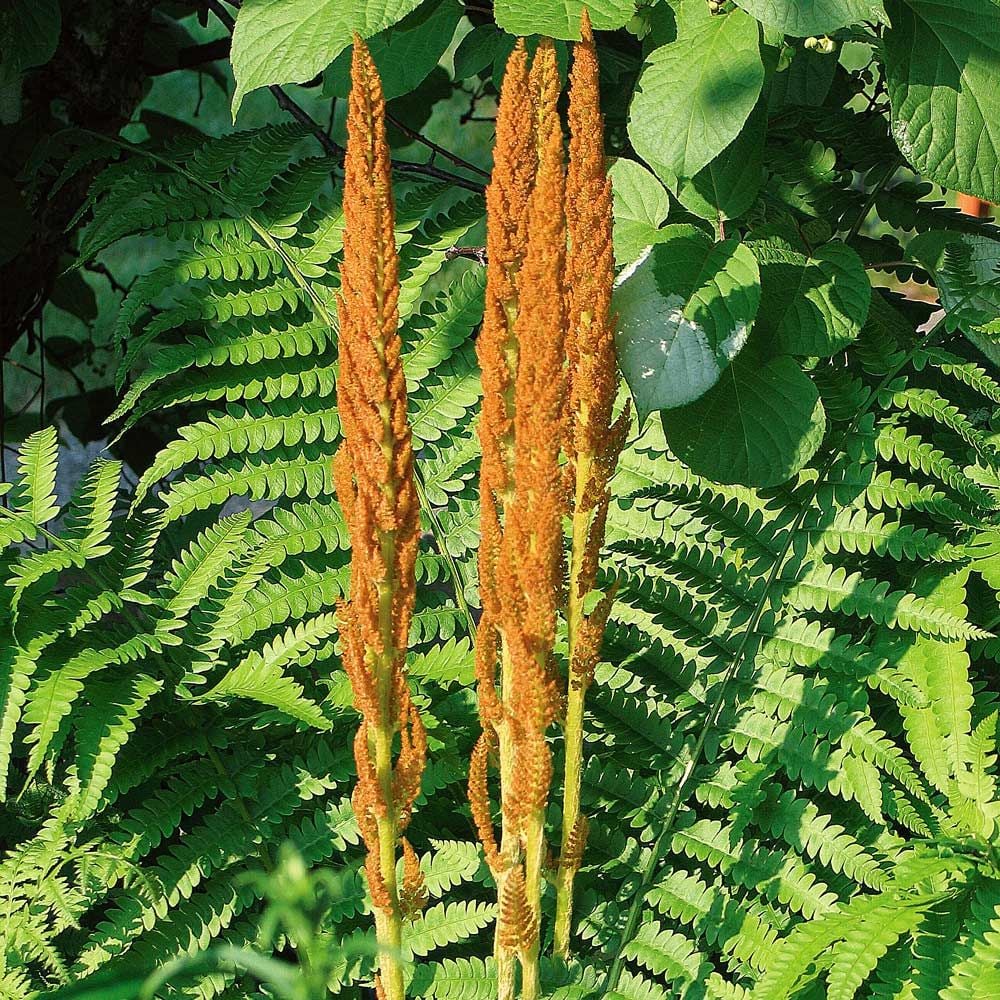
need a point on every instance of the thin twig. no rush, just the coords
(22, 367)
(478, 254)
(96, 267)
(415, 135)
(873, 195)
(41, 368)
(429, 170)
(889, 265)
(304, 118)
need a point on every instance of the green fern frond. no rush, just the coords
(452, 863)
(977, 974)
(447, 923)
(442, 325)
(715, 914)
(425, 254)
(667, 954)
(455, 979)
(830, 588)
(18, 666)
(261, 677)
(34, 496)
(242, 431)
(285, 473)
(101, 730)
(866, 942)
(51, 700)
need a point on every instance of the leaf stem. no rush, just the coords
(506, 965)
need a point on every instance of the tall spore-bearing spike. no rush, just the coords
(532, 566)
(530, 573)
(593, 373)
(545, 88)
(373, 473)
(593, 439)
(508, 198)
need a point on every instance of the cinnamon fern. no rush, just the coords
(717, 662)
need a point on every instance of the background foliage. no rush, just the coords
(792, 744)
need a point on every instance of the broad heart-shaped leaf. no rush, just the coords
(641, 204)
(684, 312)
(404, 54)
(812, 17)
(695, 93)
(290, 41)
(810, 305)
(560, 18)
(728, 186)
(966, 269)
(942, 64)
(758, 426)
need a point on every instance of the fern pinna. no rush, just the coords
(789, 744)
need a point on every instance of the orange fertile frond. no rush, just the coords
(507, 200)
(532, 775)
(413, 897)
(594, 440)
(373, 474)
(487, 650)
(517, 925)
(532, 565)
(376, 470)
(412, 756)
(590, 259)
(479, 799)
(577, 842)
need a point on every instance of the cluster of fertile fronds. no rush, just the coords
(542, 307)
(831, 637)
(375, 485)
(521, 352)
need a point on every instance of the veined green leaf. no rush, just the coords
(696, 93)
(560, 18)
(684, 312)
(405, 53)
(641, 204)
(758, 426)
(290, 41)
(942, 61)
(811, 305)
(812, 17)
